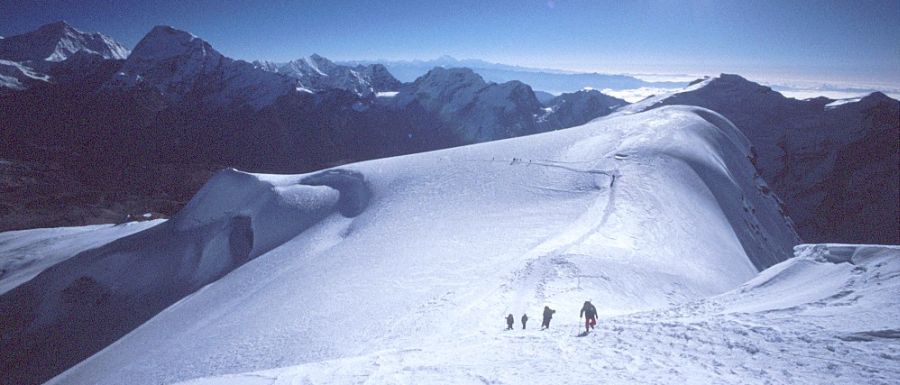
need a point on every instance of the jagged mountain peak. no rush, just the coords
(176, 63)
(58, 41)
(163, 42)
(266, 65)
(317, 73)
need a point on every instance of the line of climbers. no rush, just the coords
(588, 311)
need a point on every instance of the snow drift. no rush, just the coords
(635, 212)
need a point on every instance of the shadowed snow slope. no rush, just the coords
(25, 253)
(635, 212)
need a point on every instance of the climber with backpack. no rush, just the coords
(589, 312)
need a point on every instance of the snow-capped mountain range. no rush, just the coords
(179, 65)
(30, 58)
(547, 80)
(316, 73)
(479, 110)
(677, 216)
(56, 42)
(177, 100)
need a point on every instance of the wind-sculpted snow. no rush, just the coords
(355, 194)
(825, 276)
(635, 212)
(88, 301)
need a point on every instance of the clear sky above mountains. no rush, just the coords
(803, 40)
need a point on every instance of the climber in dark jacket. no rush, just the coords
(509, 322)
(524, 320)
(589, 312)
(548, 314)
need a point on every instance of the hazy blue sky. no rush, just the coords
(831, 40)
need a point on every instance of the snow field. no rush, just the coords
(821, 337)
(634, 212)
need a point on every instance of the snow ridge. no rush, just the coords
(635, 211)
(818, 156)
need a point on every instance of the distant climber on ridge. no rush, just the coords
(589, 312)
(548, 314)
(509, 322)
(524, 320)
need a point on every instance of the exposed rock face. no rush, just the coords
(184, 68)
(834, 164)
(477, 111)
(580, 107)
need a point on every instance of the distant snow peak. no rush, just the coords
(176, 63)
(32, 57)
(163, 42)
(266, 65)
(57, 41)
(318, 73)
(443, 75)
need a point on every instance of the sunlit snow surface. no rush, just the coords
(814, 319)
(401, 270)
(635, 212)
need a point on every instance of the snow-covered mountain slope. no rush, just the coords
(31, 58)
(834, 165)
(184, 68)
(16, 76)
(56, 42)
(813, 319)
(476, 110)
(580, 107)
(316, 73)
(635, 212)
